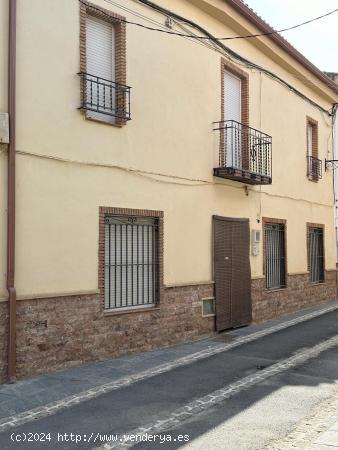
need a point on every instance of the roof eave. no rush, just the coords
(250, 15)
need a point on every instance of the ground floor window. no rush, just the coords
(316, 254)
(130, 262)
(274, 241)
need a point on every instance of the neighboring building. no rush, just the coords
(136, 207)
(333, 76)
(334, 165)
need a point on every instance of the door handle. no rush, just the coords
(227, 258)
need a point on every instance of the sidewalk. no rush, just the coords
(328, 439)
(317, 432)
(49, 393)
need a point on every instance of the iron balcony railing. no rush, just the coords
(106, 97)
(245, 153)
(314, 168)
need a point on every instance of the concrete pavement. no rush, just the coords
(319, 431)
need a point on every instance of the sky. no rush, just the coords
(318, 41)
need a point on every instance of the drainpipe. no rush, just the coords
(335, 184)
(11, 193)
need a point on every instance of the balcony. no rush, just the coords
(245, 154)
(105, 97)
(314, 168)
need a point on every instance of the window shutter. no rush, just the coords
(100, 48)
(309, 139)
(232, 97)
(100, 44)
(232, 111)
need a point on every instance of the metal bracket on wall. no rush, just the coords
(331, 164)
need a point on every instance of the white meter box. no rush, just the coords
(255, 242)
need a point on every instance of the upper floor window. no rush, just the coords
(100, 92)
(244, 152)
(104, 94)
(232, 97)
(232, 115)
(314, 164)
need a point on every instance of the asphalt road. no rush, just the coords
(242, 398)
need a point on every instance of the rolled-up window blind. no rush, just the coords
(100, 46)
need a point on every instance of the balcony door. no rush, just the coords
(232, 112)
(100, 48)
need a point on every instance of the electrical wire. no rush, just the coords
(229, 38)
(221, 48)
(204, 43)
(231, 53)
(153, 21)
(194, 182)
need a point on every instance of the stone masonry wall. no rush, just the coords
(299, 293)
(60, 332)
(55, 333)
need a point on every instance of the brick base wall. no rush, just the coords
(61, 332)
(299, 293)
(55, 333)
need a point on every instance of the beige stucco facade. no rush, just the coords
(163, 159)
(68, 166)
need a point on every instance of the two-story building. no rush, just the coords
(159, 182)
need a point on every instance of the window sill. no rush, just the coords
(111, 312)
(103, 122)
(276, 289)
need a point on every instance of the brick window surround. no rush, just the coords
(119, 24)
(314, 225)
(266, 220)
(314, 152)
(227, 66)
(111, 211)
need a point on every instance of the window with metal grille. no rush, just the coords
(274, 235)
(316, 254)
(314, 164)
(131, 262)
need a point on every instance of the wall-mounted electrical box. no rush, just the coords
(4, 128)
(208, 307)
(255, 242)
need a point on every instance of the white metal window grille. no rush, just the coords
(131, 262)
(100, 61)
(274, 235)
(232, 111)
(316, 254)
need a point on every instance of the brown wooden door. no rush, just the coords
(232, 272)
